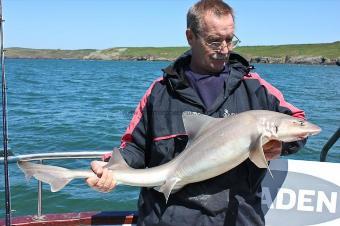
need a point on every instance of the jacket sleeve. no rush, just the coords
(136, 140)
(277, 103)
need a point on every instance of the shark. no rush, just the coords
(215, 146)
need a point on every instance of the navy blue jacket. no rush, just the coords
(156, 135)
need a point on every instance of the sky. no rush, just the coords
(101, 24)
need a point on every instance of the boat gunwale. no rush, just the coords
(80, 218)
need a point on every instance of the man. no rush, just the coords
(212, 80)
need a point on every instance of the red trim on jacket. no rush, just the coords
(275, 92)
(127, 137)
(167, 137)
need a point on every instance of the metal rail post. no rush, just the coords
(4, 123)
(328, 145)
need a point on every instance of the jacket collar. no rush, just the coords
(178, 82)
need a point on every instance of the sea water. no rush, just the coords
(76, 105)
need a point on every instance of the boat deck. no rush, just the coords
(84, 218)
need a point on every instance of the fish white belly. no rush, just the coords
(210, 161)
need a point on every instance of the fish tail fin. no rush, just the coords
(167, 187)
(56, 177)
(59, 184)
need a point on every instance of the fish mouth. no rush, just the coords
(303, 136)
(313, 131)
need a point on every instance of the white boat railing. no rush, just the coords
(52, 156)
(55, 155)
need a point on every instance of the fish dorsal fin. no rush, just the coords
(167, 187)
(257, 156)
(116, 161)
(195, 123)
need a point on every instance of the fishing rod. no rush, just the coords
(4, 123)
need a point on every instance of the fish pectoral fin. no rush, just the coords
(257, 156)
(167, 187)
(116, 161)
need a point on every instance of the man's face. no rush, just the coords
(215, 29)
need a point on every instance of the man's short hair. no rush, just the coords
(196, 13)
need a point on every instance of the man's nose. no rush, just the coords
(224, 48)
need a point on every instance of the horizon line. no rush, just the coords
(169, 46)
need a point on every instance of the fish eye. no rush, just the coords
(299, 122)
(302, 123)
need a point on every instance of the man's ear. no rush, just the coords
(190, 36)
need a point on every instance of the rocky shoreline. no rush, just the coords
(318, 60)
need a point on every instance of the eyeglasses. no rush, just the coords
(218, 46)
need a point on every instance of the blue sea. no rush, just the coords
(76, 105)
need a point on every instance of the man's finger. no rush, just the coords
(109, 181)
(102, 179)
(97, 167)
(92, 181)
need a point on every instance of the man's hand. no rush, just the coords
(272, 149)
(104, 181)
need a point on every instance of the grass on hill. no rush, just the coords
(47, 53)
(328, 50)
(164, 52)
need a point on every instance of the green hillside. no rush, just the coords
(47, 53)
(328, 53)
(329, 50)
(164, 52)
